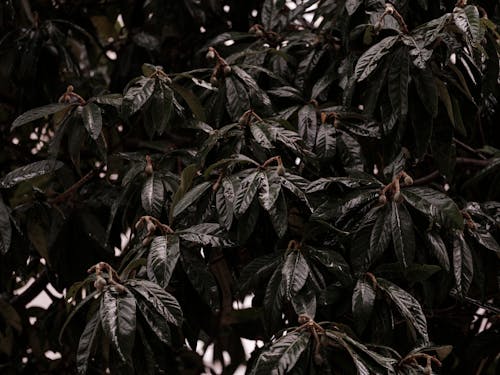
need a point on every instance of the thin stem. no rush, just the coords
(426, 179)
(473, 162)
(65, 194)
(468, 148)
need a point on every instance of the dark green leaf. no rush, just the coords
(427, 91)
(153, 196)
(208, 234)
(334, 263)
(257, 96)
(161, 106)
(437, 248)
(363, 300)
(463, 266)
(156, 321)
(224, 201)
(295, 272)
(254, 273)
(86, 343)
(162, 258)
(114, 100)
(368, 61)
(246, 192)
(92, 119)
(118, 319)
(304, 302)
(398, 80)
(468, 21)
(137, 95)
(190, 197)
(403, 235)
(237, 100)
(37, 113)
(279, 215)
(326, 143)
(27, 172)
(158, 299)
(88, 298)
(409, 308)
(381, 235)
(5, 228)
(273, 300)
(282, 356)
(260, 133)
(485, 239)
(434, 204)
(308, 124)
(352, 5)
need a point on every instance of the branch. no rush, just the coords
(21, 300)
(65, 194)
(426, 179)
(468, 148)
(473, 162)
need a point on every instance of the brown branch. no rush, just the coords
(468, 148)
(426, 179)
(69, 191)
(473, 162)
(32, 291)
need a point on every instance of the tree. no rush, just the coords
(337, 161)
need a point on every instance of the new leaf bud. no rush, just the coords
(100, 283)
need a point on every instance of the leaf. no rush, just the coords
(237, 100)
(308, 124)
(162, 258)
(257, 96)
(88, 298)
(207, 234)
(434, 204)
(158, 299)
(190, 197)
(381, 235)
(254, 273)
(246, 192)
(160, 107)
(304, 302)
(92, 119)
(463, 266)
(155, 320)
(403, 236)
(5, 228)
(334, 263)
(202, 280)
(468, 21)
(269, 190)
(118, 320)
(86, 343)
(273, 300)
(153, 196)
(398, 79)
(326, 143)
(27, 172)
(409, 308)
(279, 215)
(260, 135)
(114, 100)
(269, 14)
(427, 91)
(283, 354)
(137, 95)
(438, 249)
(286, 181)
(485, 239)
(295, 272)
(352, 5)
(224, 201)
(37, 113)
(363, 300)
(368, 61)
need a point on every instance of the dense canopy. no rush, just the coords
(321, 177)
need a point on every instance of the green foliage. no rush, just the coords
(334, 162)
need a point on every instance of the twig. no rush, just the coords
(61, 197)
(426, 179)
(473, 162)
(468, 148)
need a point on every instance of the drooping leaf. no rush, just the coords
(434, 204)
(398, 80)
(92, 119)
(27, 172)
(37, 113)
(273, 300)
(256, 272)
(409, 308)
(326, 143)
(363, 301)
(246, 192)
(308, 124)
(5, 228)
(463, 266)
(86, 343)
(224, 201)
(157, 322)
(427, 91)
(403, 236)
(368, 61)
(295, 272)
(190, 197)
(161, 107)
(78, 307)
(137, 95)
(352, 6)
(334, 262)
(208, 234)
(158, 299)
(163, 254)
(282, 356)
(118, 317)
(468, 21)
(381, 235)
(114, 100)
(260, 134)
(153, 196)
(237, 100)
(438, 249)
(279, 215)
